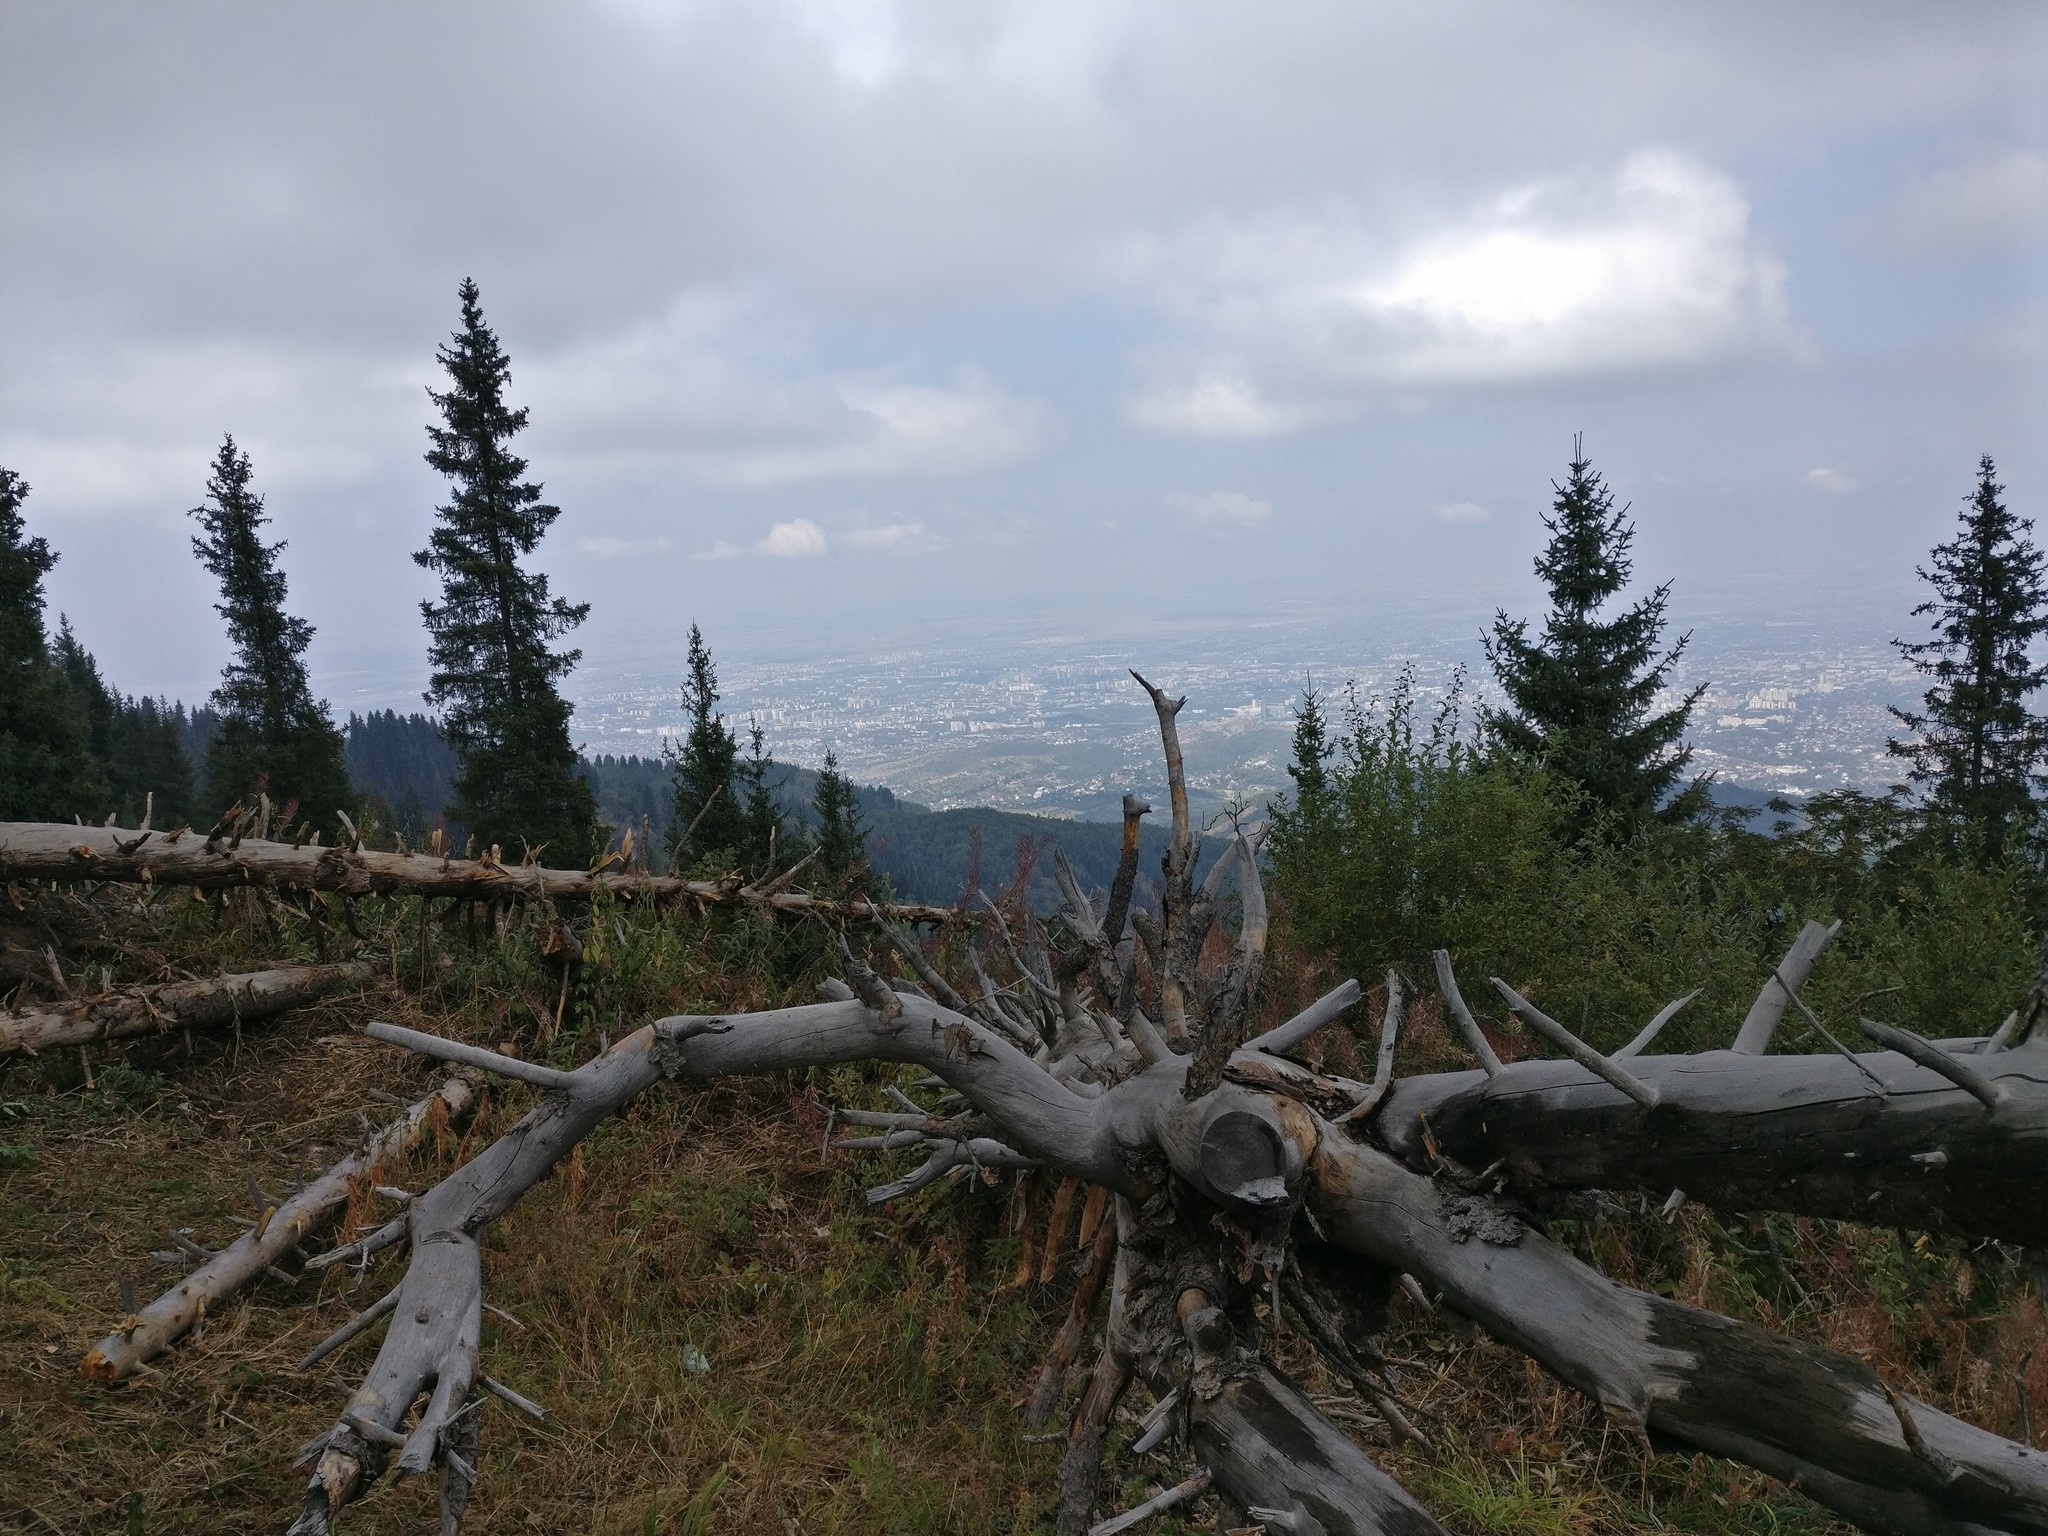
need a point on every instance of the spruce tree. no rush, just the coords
(275, 738)
(1301, 824)
(761, 844)
(1976, 746)
(47, 772)
(1579, 697)
(709, 818)
(1312, 752)
(494, 672)
(842, 837)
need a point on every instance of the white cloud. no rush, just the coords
(720, 386)
(798, 539)
(895, 538)
(1218, 404)
(1292, 320)
(1831, 480)
(721, 550)
(1998, 201)
(1222, 509)
(610, 547)
(1461, 512)
(900, 429)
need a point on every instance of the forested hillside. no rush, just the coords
(403, 763)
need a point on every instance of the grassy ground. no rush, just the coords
(864, 1367)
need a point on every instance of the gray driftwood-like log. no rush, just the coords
(53, 851)
(134, 1011)
(277, 1231)
(1240, 1177)
(1878, 1140)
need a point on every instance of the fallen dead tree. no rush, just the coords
(277, 1230)
(1236, 1176)
(53, 851)
(211, 1004)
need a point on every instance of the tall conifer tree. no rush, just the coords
(1579, 697)
(762, 845)
(46, 767)
(1976, 747)
(842, 837)
(492, 632)
(706, 797)
(274, 736)
(1301, 823)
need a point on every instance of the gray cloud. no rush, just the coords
(1994, 200)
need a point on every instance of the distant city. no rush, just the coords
(1053, 723)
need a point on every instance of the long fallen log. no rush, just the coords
(1875, 1138)
(173, 1005)
(1820, 1420)
(52, 851)
(151, 1331)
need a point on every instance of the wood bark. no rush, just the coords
(209, 1004)
(52, 851)
(1878, 1140)
(1266, 1443)
(277, 1231)
(1820, 1420)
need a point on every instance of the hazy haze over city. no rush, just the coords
(942, 361)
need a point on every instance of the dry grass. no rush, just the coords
(865, 1366)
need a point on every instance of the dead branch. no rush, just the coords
(136, 1011)
(1880, 1139)
(1240, 1176)
(278, 1230)
(52, 851)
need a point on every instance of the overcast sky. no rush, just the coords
(843, 321)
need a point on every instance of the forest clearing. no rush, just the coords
(698, 1320)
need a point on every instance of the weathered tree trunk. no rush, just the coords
(52, 851)
(1877, 1139)
(276, 1232)
(1818, 1419)
(173, 1005)
(1266, 1443)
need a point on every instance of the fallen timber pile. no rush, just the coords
(209, 1004)
(1236, 1176)
(53, 851)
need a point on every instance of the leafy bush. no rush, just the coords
(1417, 835)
